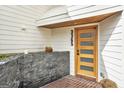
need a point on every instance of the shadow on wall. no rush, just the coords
(45, 34)
(109, 32)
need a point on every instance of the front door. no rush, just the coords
(86, 51)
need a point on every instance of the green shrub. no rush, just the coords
(4, 56)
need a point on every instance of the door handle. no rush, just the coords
(77, 52)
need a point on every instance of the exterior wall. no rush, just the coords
(58, 14)
(123, 47)
(111, 46)
(76, 12)
(61, 41)
(13, 38)
(61, 9)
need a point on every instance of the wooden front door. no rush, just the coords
(86, 51)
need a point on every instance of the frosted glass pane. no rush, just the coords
(86, 68)
(86, 51)
(86, 60)
(86, 43)
(86, 35)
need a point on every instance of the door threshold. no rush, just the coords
(87, 77)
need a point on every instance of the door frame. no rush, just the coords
(75, 48)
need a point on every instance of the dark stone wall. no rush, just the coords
(9, 73)
(34, 69)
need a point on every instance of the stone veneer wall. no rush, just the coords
(34, 69)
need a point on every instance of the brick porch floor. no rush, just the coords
(72, 82)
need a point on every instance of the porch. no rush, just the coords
(70, 81)
(95, 52)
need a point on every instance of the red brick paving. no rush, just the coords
(72, 82)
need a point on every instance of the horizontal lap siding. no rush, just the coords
(87, 9)
(54, 12)
(12, 38)
(92, 10)
(61, 41)
(52, 21)
(75, 12)
(77, 7)
(123, 48)
(55, 15)
(111, 46)
(110, 43)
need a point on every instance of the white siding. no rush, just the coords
(54, 12)
(123, 48)
(76, 12)
(61, 41)
(111, 46)
(91, 10)
(58, 14)
(111, 35)
(13, 38)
